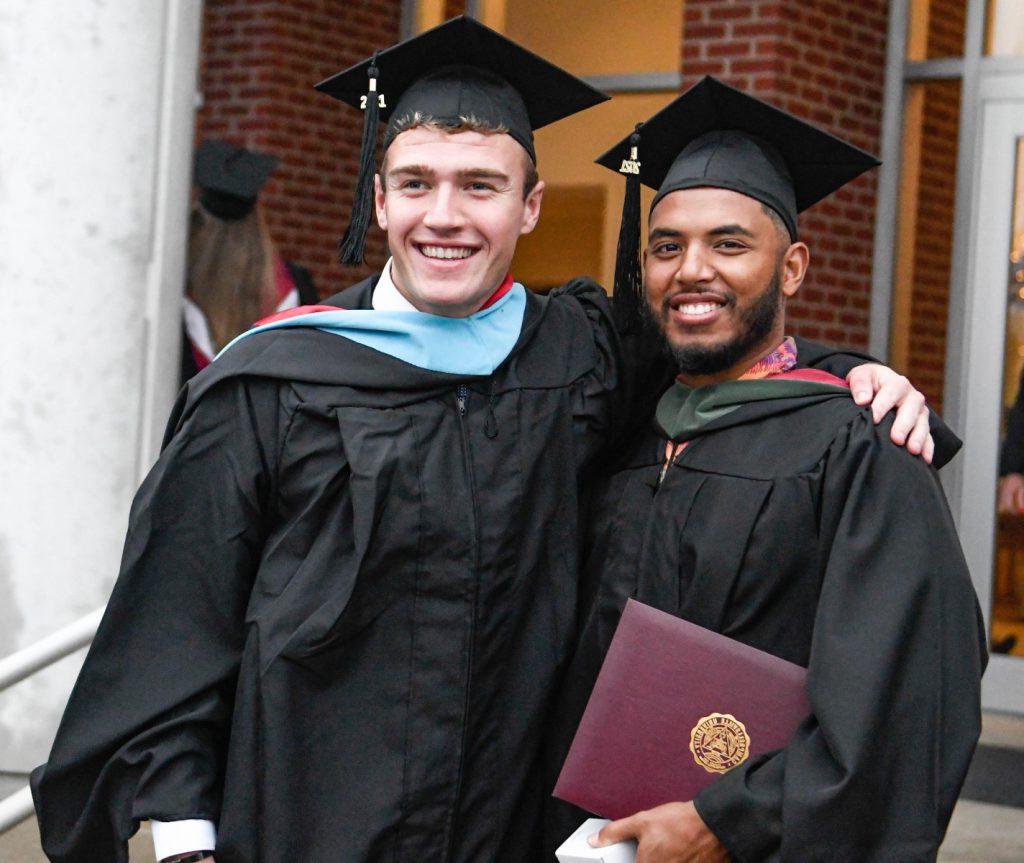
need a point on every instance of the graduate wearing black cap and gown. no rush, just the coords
(349, 582)
(773, 510)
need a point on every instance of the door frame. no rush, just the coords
(981, 338)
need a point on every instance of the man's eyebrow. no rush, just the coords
(412, 170)
(465, 174)
(721, 230)
(730, 229)
(484, 173)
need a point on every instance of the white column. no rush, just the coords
(96, 107)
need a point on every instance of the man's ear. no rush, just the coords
(378, 202)
(531, 211)
(794, 267)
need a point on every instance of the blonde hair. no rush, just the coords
(231, 271)
(467, 123)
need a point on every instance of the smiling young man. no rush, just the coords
(454, 200)
(765, 505)
(349, 583)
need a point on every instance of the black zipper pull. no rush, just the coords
(461, 397)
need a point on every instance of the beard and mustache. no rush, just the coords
(755, 324)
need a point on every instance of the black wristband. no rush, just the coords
(188, 858)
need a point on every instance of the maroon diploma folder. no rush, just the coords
(674, 707)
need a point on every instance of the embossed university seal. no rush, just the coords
(719, 742)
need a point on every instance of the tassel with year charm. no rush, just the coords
(352, 244)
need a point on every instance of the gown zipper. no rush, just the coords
(462, 400)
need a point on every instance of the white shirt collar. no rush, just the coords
(386, 297)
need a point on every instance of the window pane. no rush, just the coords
(936, 29)
(1004, 28)
(601, 37)
(1008, 584)
(925, 233)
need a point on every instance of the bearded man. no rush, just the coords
(763, 504)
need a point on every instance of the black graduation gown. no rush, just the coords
(343, 604)
(798, 528)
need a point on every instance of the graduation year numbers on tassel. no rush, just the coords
(351, 247)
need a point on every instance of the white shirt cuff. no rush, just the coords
(181, 837)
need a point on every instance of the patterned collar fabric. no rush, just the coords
(782, 359)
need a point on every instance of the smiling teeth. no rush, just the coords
(698, 308)
(445, 252)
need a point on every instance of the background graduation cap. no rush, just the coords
(230, 178)
(715, 135)
(458, 69)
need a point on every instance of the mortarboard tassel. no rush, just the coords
(628, 297)
(351, 246)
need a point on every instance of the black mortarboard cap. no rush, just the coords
(230, 177)
(460, 69)
(715, 135)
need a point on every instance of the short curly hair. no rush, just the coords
(468, 123)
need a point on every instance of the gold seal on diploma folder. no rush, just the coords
(719, 742)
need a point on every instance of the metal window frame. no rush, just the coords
(967, 170)
(640, 82)
(970, 69)
(983, 325)
(932, 70)
(405, 22)
(887, 201)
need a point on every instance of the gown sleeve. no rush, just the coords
(841, 362)
(600, 395)
(893, 679)
(145, 730)
(617, 397)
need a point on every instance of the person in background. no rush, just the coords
(236, 275)
(1011, 458)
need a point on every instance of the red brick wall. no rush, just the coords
(823, 60)
(947, 23)
(260, 60)
(933, 241)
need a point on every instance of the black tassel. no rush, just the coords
(351, 246)
(628, 298)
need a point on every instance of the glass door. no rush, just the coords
(992, 504)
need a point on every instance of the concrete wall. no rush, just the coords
(97, 105)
